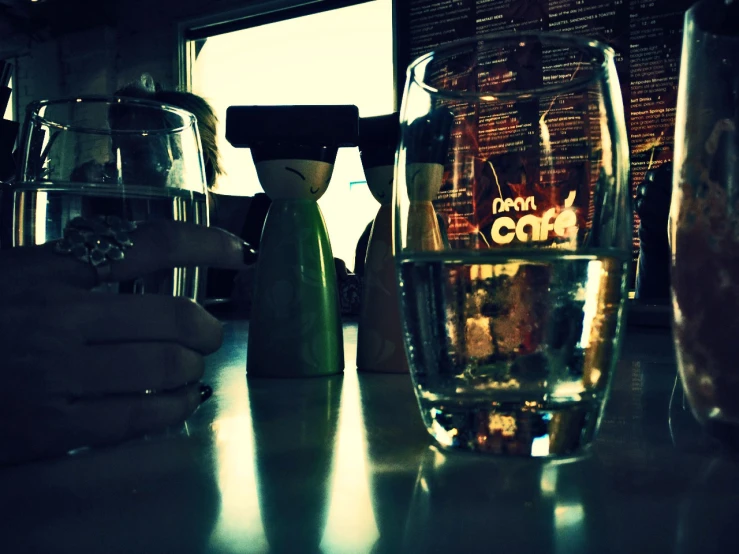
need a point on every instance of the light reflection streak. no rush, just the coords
(40, 218)
(240, 522)
(540, 446)
(566, 515)
(590, 309)
(569, 528)
(351, 525)
(548, 484)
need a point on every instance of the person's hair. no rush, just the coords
(204, 113)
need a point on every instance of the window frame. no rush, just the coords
(12, 62)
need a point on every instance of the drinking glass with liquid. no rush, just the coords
(512, 316)
(93, 156)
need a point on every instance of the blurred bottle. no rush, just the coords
(653, 207)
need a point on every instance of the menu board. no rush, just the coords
(646, 35)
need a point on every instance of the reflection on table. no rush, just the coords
(344, 464)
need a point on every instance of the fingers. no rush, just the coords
(154, 318)
(115, 419)
(156, 245)
(133, 368)
(122, 318)
(53, 430)
(165, 244)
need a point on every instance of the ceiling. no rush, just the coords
(19, 18)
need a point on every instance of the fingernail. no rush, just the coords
(250, 255)
(206, 391)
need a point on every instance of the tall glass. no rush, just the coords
(129, 158)
(704, 215)
(513, 239)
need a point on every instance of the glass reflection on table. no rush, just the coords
(386, 401)
(469, 503)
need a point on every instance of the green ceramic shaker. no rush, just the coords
(295, 325)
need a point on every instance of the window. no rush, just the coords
(342, 56)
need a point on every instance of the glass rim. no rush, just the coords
(34, 107)
(575, 42)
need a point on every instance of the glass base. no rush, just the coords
(513, 428)
(705, 435)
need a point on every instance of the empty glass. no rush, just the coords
(513, 239)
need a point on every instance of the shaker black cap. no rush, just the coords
(378, 139)
(427, 138)
(299, 132)
(337, 125)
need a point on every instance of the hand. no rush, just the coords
(83, 368)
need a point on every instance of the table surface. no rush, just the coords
(344, 464)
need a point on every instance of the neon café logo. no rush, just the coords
(531, 228)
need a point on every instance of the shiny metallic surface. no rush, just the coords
(344, 464)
